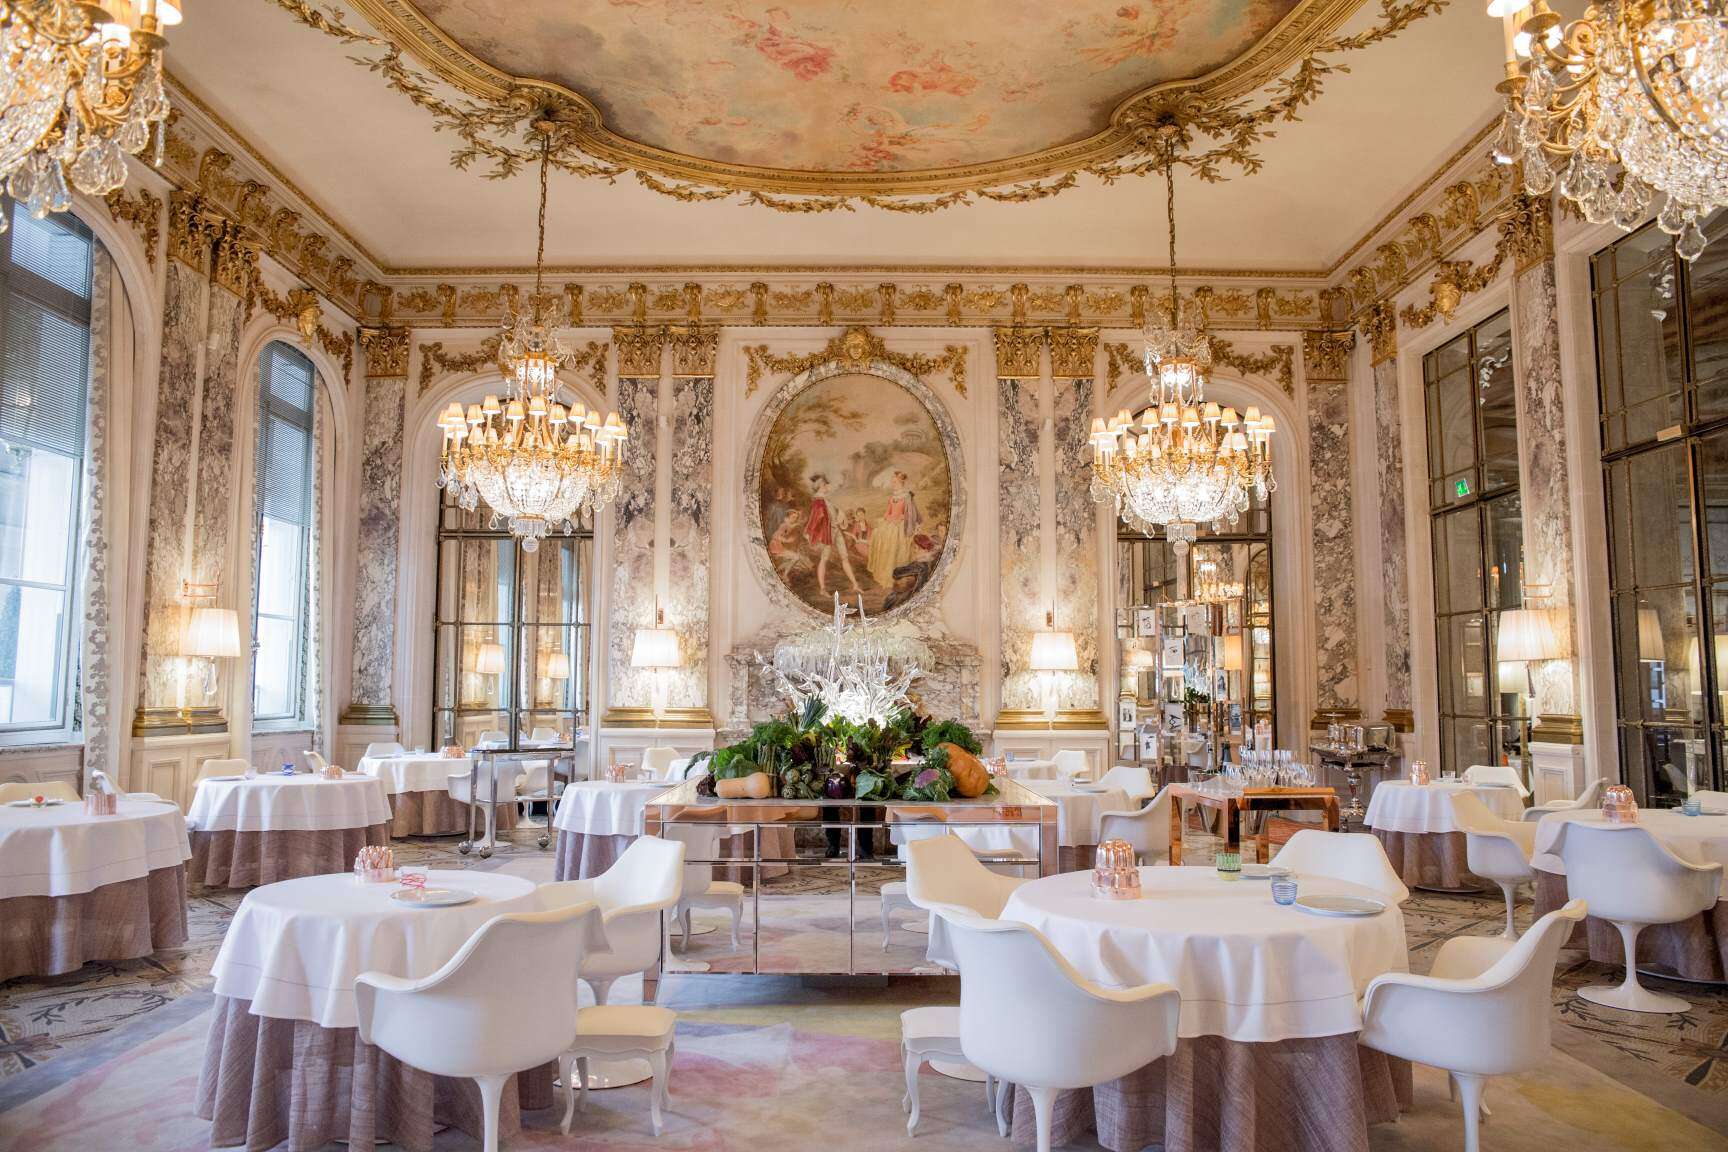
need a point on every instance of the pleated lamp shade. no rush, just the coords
(490, 659)
(655, 648)
(1651, 646)
(212, 632)
(1528, 634)
(558, 666)
(1054, 652)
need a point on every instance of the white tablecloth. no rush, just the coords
(60, 851)
(606, 808)
(295, 948)
(1030, 769)
(1248, 969)
(415, 772)
(1077, 810)
(1400, 806)
(302, 803)
(1700, 839)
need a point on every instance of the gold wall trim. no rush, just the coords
(644, 718)
(1067, 720)
(368, 715)
(855, 348)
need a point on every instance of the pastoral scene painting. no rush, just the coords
(856, 494)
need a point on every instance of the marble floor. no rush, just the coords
(105, 1058)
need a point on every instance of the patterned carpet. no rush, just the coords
(1670, 1073)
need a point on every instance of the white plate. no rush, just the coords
(223, 779)
(433, 897)
(1340, 905)
(49, 803)
(1263, 871)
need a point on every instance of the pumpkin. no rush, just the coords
(971, 778)
(756, 786)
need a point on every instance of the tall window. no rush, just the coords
(285, 398)
(510, 663)
(1662, 357)
(44, 385)
(1478, 533)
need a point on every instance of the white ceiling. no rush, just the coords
(376, 165)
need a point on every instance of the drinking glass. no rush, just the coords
(1284, 888)
(1228, 864)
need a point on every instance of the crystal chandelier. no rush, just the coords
(537, 464)
(81, 85)
(1638, 86)
(1211, 588)
(1188, 462)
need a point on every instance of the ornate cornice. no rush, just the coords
(1527, 230)
(854, 348)
(639, 350)
(1326, 355)
(1379, 325)
(1277, 363)
(144, 213)
(302, 308)
(1220, 119)
(1019, 353)
(693, 349)
(1073, 352)
(434, 359)
(386, 352)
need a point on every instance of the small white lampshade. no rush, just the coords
(1232, 658)
(212, 632)
(1499, 8)
(655, 648)
(558, 666)
(490, 659)
(1652, 648)
(1054, 652)
(1528, 634)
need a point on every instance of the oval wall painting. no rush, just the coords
(856, 494)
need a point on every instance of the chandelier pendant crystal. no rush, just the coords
(1186, 462)
(1621, 107)
(80, 88)
(538, 464)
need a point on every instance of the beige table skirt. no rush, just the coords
(438, 814)
(1429, 859)
(1218, 1095)
(49, 935)
(578, 856)
(247, 859)
(290, 1084)
(1695, 949)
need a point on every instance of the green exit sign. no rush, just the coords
(1462, 488)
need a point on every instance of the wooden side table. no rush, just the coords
(1234, 805)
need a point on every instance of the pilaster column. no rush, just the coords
(629, 693)
(1074, 545)
(1326, 363)
(1019, 376)
(1380, 329)
(372, 696)
(689, 535)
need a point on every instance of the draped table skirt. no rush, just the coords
(1219, 1095)
(290, 1084)
(578, 855)
(248, 859)
(1429, 859)
(1693, 949)
(49, 935)
(439, 814)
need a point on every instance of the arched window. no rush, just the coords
(45, 275)
(284, 560)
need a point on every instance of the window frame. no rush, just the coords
(297, 718)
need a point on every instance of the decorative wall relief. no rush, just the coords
(1076, 541)
(1334, 551)
(691, 535)
(632, 598)
(372, 695)
(1394, 559)
(95, 657)
(1018, 520)
(213, 503)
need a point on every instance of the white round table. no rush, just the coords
(75, 887)
(1414, 824)
(1695, 949)
(1269, 1008)
(595, 822)
(421, 803)
(1030, 769)
(414, 771)
(277, 827)
(284, 989)
(1077, 811)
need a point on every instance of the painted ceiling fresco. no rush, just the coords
(856, 85)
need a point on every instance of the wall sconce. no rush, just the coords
(656, 649)
(1053, 652)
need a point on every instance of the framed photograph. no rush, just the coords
(1145, 621)
(1127, 712)
(1170, 653)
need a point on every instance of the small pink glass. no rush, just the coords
(1618, 805)
(1418, 772)
(1115, 873)
(414, 882)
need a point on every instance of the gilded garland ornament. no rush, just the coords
(83, 89)
(537, 464)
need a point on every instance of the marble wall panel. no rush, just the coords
(1018, 517)
(1334, 552)
(376, 574)
(218, 486)
(1545, 483)
(1076, 541)
(632, 595)
(690, 539)
(95, 657)
(1394, 557)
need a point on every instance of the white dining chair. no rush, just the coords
(928, 1034)
(1496, 849)
(100, 781)
(1496, 774)
(1484, 1009)
(315, 759)
(492, 739)
(1355, 857)
(1148, 829)
(620, 1032)
(16, 790)
(383, 749)
(701, 891)
(490, 787)
(1631, 879)
(1591, 797)
(1063, 1031)
(677, 769)
(236, 766)
(1131, 779)
(942, 872)
(470, 1019)
(542, 734)
(655, 761)
(1071, 765)
(1709, 799)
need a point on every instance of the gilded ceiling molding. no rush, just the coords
(434, 359)
(1326, 355)
(144, 213)
(1122, 360)
(693, 349)
(1220, 119)
(1379, 325)
(854, 348)
(1277, 363)
(386, 352)
(1073, 352)
(1019, 353)
(639, 350)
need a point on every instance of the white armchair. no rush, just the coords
(1132, 779)
(100, 781)
(1496, 849)
(1483, 1010)
(655, 761)
(470, 1018)
(30, 789)
(315, 759)
(1630, 878)
(1503, 774)
(1063, 1031)
(1071, 765)
(1148, 830)
(1591, 797)
(380, 749)
(1356, 857)
(237, 766)
(487, 785)
(942, 873)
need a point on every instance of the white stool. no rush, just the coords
(727, 894)
(894, 895)
(926, 1035)
(620, 1032)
